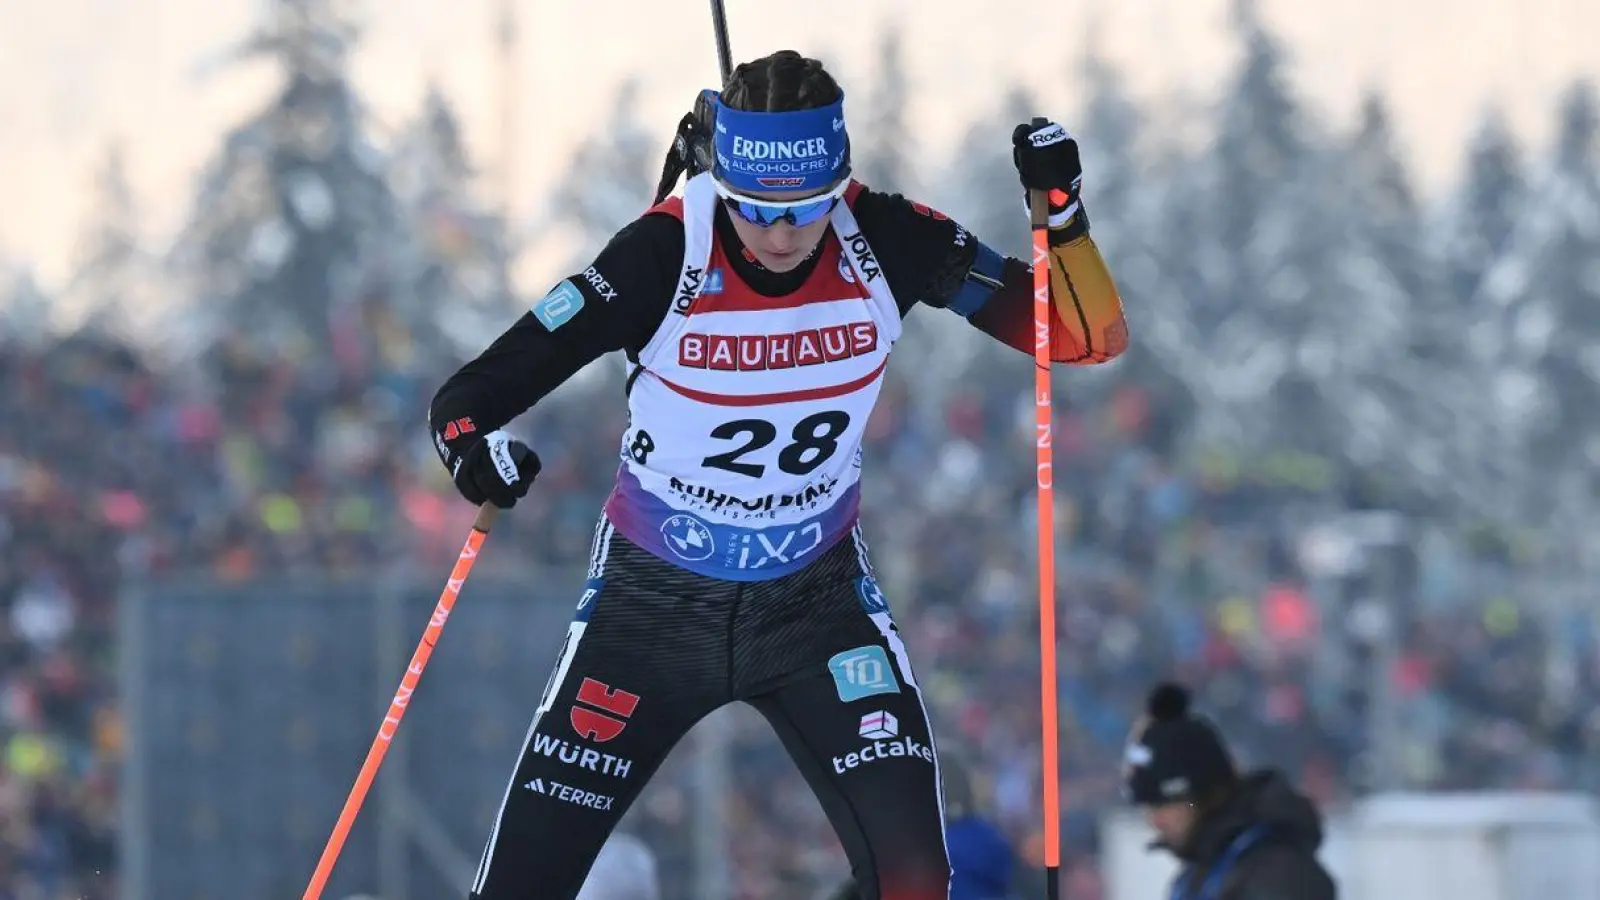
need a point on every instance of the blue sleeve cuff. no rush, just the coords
(985, 276)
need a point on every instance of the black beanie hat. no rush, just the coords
(1173, 756)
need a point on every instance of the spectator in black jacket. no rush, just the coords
(1240, 836)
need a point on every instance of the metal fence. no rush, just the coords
(251, 706)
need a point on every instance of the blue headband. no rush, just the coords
(800, 150)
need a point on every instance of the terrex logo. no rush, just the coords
(613, 707)
(599, 283)
(566, 793)
(862, 253)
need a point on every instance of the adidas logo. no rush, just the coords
(566, 793)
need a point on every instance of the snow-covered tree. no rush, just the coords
(293, 224)
(1548, 281)
(611, 177)
(456, 265)
(986, 195)
(884, 154)
(1239, 244)
(1458, 337)
(25, 309)
(113, 288)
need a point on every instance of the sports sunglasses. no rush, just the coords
(767, 213)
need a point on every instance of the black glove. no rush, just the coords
(492, 468)
(1046, 157)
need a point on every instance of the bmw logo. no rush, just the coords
(687, 537)
(872, 599)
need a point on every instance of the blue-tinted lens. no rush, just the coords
(799, 214)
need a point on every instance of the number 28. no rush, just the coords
(812, 442)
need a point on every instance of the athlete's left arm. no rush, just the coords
(929, 258)
(1086, 321)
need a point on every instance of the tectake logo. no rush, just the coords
(878, 725)
(883, 729)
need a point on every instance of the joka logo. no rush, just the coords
(566, 793)
(758, 352)
(597, 726)
(688, 289)
(882, 728)
(688, 537)
(862, 672)
(862, 252)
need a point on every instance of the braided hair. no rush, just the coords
(781, 82)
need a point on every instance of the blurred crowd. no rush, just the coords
(1172, 561)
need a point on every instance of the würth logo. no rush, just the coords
(591, 724)
(748, 352)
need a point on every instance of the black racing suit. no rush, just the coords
(654, 648)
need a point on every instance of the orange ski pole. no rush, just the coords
(402, 699)
(1039, 214)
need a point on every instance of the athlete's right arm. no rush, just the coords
(615, 304)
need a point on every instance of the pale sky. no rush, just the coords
(77, 74)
